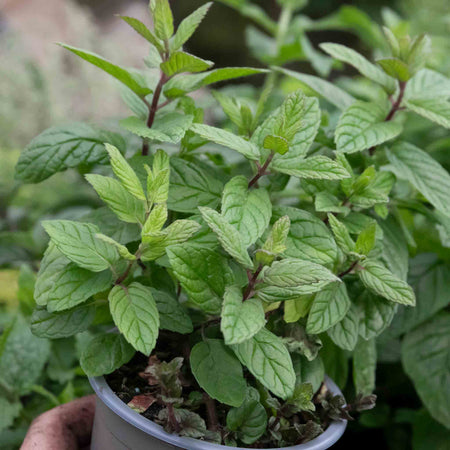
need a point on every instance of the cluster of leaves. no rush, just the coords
(301, 268)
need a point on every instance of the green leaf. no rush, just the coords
(192, 186)
(180, 62)
(135, 314)
(308, 237)
(181, 85)
(125, 173)
(61, 284)
(423, 172)
(163, 19)
(327, 202)
(335, 361)
(22, 357)
(377, 278)
(218, 372)
(364, 365)
(127, 207)
(435, 109)
(138, 26)
(63, 147)
(395, 68)
(341, 234)
(359, 62)
(345, 333)
(227, 139)
(314, 167)
(188, 26)
(170, 127)
(248, 211)
(306, 371)
(119, 73)
(363, 126)
(62, 324)
(203, 274)
(276, 241)
(10, 411)
(77, 241)
(268, 360)
(366, 240)
(228, 236)
(427, 84)
(158, 178)
(329, 307)
(430, 279)
(241, 320)
(425, 358)
(290, 278)
(172, 315)
(105, 353)
(330, 92)
(249, 420)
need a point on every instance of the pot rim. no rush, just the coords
(330, 436)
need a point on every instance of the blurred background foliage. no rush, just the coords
(40, 86)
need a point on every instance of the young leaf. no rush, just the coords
(180, 62)
(341, 234)
(138, 26)
(268, 360)
(77, 241)
(290, 278)
(163, 19)
(363, 126)
(275, 243)
(170, 127)
(104, 354)
(250, 419)
(117, 72)
(228, 236)
(203, 274)
(425, 356)
(156, 220)
(61, 284)
(62, 324)
(123, 251)
(395, 68)
(377, 278)
(125, 173)
(188, 26)
(191, 186)
(218, 372)
(325, 89)
(126, 206)
(364, 365)
(423, 172)
(248, 211)
(345, 333)
(135, 314)
(366, 240)
(62, 147)
(172, 315)
(435, 109)
(359, 62)
(297, 308)
(314, 167)
(241, 320)
(329, 307)
(301, 399)
(308, 237)
(227, 139)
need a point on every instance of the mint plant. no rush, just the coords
(234, 265)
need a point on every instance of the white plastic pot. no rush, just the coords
(118, 427)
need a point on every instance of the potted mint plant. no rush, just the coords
(232, 267)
